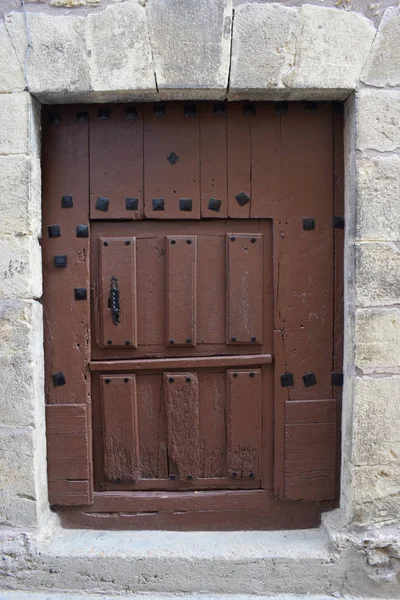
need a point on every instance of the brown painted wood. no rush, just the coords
(181, 300)
(181, 363)
(310, 458)
(69, 454)
(118, 265)
(281, 395)
(116, 161)
(181, 394)
(244, 423)
(239, 160)
(121, 437)
(171, 133)
(213, 157)
(244, 289)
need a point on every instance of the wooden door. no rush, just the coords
(193, 318)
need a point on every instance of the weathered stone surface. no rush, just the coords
(378, 193)
(21, 361)
(17, 481)
(11, 75)
(20, 199)
(378, 120)
(263, 48)
(377, 340)
(58, 64)
(191, 46)
(376, 492)
(15, 123)
(20, 267)
(378, 273)
(383, 65)
(376, 414)
(119, 50)
(331, 50)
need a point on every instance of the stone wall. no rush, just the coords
(213, 49)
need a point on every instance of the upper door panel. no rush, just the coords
(182, 289)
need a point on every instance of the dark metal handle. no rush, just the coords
(114, 300)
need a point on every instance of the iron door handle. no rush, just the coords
(114, 301)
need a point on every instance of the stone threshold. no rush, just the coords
(146, 596)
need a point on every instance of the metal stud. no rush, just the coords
(172, 341)
(253, 240)
(131, 113)
(337, 379)
(185, 204)
(82, 231)
(67, 201)
(188, 380)
(127, 342)
(131, 203)
(252, 374)
(172, 477)
(126, 380)
(54, 118)
(160, 110)
(242, 198)
(107, 380)
(104, 114)
(235, 374)
(127, 242)
(80, 293)
(190, 477)
(102, 204)
(172, 158)
(253, 338)
(281, 108)
(190, 110)
(232, 238)
(158, 203)
(109, 342)
(105, 243)
(173, 242)
(54, 231)
(287, 380)
(338, 222)
(252, 476)
(233, 339)
(308, 224)
(249, 108)
(311, 106)
(189, 241)
(188, 340)
(219, 108)
(171, 380)
(234, 474)
(82, 117)
(60, 261)
(309, 379)
(58, 379)
(214, 204)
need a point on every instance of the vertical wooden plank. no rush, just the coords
(281, 395)
(152, 427)
(243, 423)
(65, 216)
(244, 288)
(121, 440)
(213, 161)
(181, 290)
(118, 289)
(181, 394)
(172, 161)
(304, 270)
(239, 161)
(212, 423)
(338, 308)
(116, 162)
(266, 161)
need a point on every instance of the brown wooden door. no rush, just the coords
(193, 321)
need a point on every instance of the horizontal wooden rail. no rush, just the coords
(145, 364)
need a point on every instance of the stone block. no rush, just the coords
(119, 51)
(57, 68)
(377, 340)
(191, 47)
(378, 120)
(377, 274)
(263, 48)
(376, 418)
(20, 267)
(378, 193)
(383, 65)
(15, 112)
(18, 505)
(21, 362)
(20, 195)
(376, 494)
(331, 49)
(11, 74)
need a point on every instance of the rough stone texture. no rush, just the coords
(15, 122)
(20, 267)
(331, 50)
(11, 75)
(378, 340)
(21, 359)
(378, 193)
(383, 65)
(378, 274)
(20, 195)
(376, 493)
(263, 48)
(191, 46)
(378, 120)
(57, 63)
(376, 421)
(119, 50)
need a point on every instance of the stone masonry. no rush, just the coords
(135, 50)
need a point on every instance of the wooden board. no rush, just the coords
(213, 161)
(239, 162)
